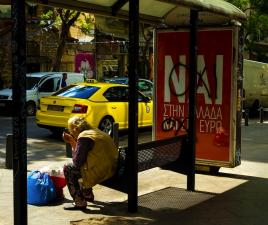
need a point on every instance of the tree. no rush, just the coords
(256, 26)
(63, 20)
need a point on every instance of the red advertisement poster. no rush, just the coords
(213, 111)
(85, 63)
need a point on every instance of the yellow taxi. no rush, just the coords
(101, 104)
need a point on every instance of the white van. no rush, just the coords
(255, 84)
(38, 85)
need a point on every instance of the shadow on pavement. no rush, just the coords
(244, 204)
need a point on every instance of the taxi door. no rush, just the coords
(145, 107)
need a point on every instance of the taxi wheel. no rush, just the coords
(106, 125)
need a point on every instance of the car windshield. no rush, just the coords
(77, 91)
(31, 82)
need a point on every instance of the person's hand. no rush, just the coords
(67, 137)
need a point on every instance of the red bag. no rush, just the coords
(58, 180)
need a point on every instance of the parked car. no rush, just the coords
(145, 86)
(38, 85)
(101, 104)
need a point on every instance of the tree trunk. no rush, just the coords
(58, 57)
(67, 22)
(60, 49)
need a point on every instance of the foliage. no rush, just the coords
(241, 4)
(63, 20)
(86, 23)
(50, 19)
(256, 26)
(260, 5)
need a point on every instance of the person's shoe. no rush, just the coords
(73, 206)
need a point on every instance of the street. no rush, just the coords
(36, 138)
(42, 145)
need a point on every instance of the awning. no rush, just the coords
(170, 12)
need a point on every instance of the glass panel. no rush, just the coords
(77, 91)
(31, 82)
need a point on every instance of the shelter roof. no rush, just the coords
(170, 12)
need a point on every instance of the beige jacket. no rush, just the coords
(101, 160)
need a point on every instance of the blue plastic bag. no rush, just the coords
(40, 188)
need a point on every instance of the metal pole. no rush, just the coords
(246, 116)
(132, 155)
(261, 114)
(9, 151)
(192, 98)
(115, 134)
(19, 109)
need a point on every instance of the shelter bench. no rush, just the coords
(170, 153)
(160, 153)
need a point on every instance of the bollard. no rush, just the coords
(261, 114)
(68, 150)
(9, 151)
(115, 133)
(246, 116)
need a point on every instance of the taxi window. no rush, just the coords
(120, 94)
(116, 94)
(77, 91)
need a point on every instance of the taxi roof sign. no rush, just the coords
(93, 81)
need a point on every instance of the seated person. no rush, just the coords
(94, 160)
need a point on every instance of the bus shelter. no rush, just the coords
(156, 12)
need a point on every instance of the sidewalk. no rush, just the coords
(236, 196)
